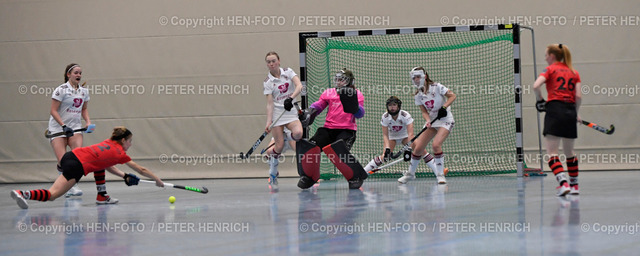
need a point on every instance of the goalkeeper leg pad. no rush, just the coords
(347, 164)
(308, 159)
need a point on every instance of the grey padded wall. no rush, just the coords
(195, 92)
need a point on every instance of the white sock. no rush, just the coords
(560, 177)
(273, 165)
(415, 160)
(428, 159)
(439, 164)
(573, 180)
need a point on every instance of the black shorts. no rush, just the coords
(325, 136)
(561, 120)
(71, 166)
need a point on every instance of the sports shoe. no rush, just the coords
(17, 195)
(562, 190)
(273, 181)
(406, 177)
(305, 182)
(441, 179)
(355, 183)
(574, 190)
(106, 199)
(74, 191)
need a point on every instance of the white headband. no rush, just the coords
(72, 67)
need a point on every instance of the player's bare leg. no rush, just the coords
(296, 130)
(419, 153)
(273, 154)
(59, 146)
(438, 140)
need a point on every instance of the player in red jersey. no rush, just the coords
(560, 122)
(82, 161)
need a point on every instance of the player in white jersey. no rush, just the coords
(435, 102)
(397, 126)
(69, 105)
(281, 86)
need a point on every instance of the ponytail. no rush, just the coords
(562, 54)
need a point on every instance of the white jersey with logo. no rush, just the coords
(433, 101)
(397, 128)
(70, 110)
(281, 88)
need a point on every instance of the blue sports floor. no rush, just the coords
(491, 215)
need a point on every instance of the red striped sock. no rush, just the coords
(572, 168)
(555, 165)
(100, 182)
(39, 195)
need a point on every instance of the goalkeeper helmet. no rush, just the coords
(417, 77)
(394, 99)
(344, 77)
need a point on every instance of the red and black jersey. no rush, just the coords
(100, 156)
(561, 82)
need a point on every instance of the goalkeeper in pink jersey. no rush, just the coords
(345, 104)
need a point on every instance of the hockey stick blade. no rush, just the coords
(385, 166)
(202, 190)
(599, 128)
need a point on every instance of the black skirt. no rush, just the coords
(561, 120)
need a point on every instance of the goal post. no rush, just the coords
(481, 64)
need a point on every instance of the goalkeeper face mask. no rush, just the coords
(343, 78)
(417, 78)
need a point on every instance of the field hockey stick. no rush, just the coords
(202, 190)
(273, 144)
(257, 143)
(385, 166)
(88, 129)
(600, 128)
(408, 145)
